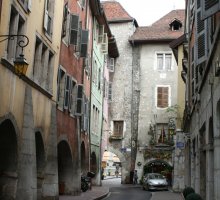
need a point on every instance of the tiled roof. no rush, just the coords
(160, 30)
(115, 12)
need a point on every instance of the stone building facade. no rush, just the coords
(146, 65)
(201, 119)
(121, 122)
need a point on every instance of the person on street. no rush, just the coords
(135, 177)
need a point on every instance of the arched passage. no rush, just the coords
(65, 168)
(159, 166)
(111, 165)
(8, 160)
(40, 162)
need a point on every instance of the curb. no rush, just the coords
(101, 197)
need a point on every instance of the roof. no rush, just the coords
(115, 13)
(160, 31)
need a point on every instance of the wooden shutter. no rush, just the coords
(110, 91)
(209, 7)
(67, 92)
(104, 45)
(84, 43)
(29, 5)
(111, 64)
(79, 100)
(74, 28)
(162, 97)
(46, 15)
(200, 35)
(72, 95)
(101, 33)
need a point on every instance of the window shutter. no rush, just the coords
(46, 15)
(110, 91)
(209, 7)
(79, 100)
(104, 45)
(101, 33)
(72, 95)
(162, 97)
(65, 15)
(74, 28)
(58, 83)
(67, 92)
(61, 88)
(29, 5)
(111, 64)
(85, 122)
(201, 46)
(84, 43)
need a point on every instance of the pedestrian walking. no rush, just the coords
(135, 178)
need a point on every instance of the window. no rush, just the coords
(26, 4)
(79, 100)
(16, 26)
(164, 61)
(118, 128)
(111, 64)
(60, 87)
(48, 16)
(72, 97)
(110, 91)
(74, 29)
(43, 65)
(162, 97)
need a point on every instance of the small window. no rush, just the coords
(162, 97)
(48, 16)
(164, 61)
(118, 128)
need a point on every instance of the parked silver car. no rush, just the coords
(155, 181)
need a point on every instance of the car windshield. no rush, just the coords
(155, 176)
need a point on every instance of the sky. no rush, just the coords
(147, 12)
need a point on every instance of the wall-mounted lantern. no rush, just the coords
(20, 62)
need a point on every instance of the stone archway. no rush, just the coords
(8, 160)
(40, 162)
(125, 165)
(159, 166)
(65, 169)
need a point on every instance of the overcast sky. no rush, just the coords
(147, 12)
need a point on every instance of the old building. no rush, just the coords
(145, 112)
(28, 139)
(157, 86)
(73, 96)
(104, 48)
(122, 124)
(201, 119)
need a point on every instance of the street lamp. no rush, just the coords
(20, 62)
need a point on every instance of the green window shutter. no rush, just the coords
(104, 45)
(84, 43)
(74, 28)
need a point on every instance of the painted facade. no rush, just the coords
(28, 113)
(201, 115)
(73, 98)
